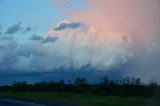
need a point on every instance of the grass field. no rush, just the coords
(85, 100)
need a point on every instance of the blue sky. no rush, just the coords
(29, 12)
(39, 14)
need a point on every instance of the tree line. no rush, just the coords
(125, 87)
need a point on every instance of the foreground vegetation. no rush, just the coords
(127, 87)
(85, 100)
(126, 92)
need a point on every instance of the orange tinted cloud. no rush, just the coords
(116, 32)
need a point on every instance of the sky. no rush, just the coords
(44, 40)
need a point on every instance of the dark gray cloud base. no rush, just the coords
(28, 29)
(0, 30)
(47, 39)
(14, 28)
(63, 26)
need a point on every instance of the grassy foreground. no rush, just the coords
(85, 100)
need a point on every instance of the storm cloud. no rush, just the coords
(67, 25)
(122, 32)
(35, 37)
(7, 52)
(47, 39)
(0, 30)
(122, 35)
(28, 29)
(14, 28)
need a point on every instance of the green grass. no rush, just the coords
(85, 100)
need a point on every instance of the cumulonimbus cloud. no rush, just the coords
(111, 33)
(118, 32)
